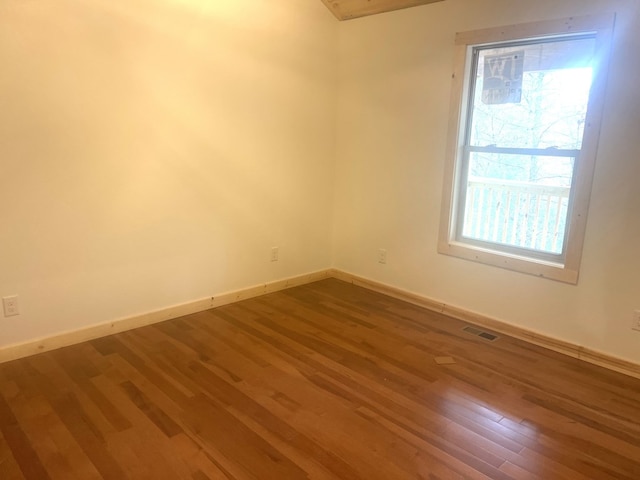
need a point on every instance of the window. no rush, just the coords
(526, 108)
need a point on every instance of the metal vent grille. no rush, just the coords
(480, 333)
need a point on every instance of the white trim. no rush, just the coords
(13, 352)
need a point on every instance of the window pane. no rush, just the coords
(518, 200)
(532, 95)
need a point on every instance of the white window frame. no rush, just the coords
(449, 242)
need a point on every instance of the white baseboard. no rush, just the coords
(13, 352)
(588, 355)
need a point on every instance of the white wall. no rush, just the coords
(393, 105)
(152, 152)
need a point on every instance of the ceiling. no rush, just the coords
(348, 9)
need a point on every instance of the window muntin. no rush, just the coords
(516, 190)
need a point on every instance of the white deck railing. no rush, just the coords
(520, 214)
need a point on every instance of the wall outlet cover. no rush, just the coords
(10, 306)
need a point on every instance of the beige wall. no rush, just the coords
(153, 151)
(393, 105)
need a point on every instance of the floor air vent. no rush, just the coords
(480, 333)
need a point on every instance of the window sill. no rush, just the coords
(535, 267)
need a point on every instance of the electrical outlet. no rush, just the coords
(10, 305)
(636, 321)
(382, 256)
(274, 254)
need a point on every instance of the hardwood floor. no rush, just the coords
(324, 381)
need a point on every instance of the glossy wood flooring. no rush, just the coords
(324, 381)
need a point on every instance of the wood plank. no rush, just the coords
(322, 381)
(348, 9)
(22, 449)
